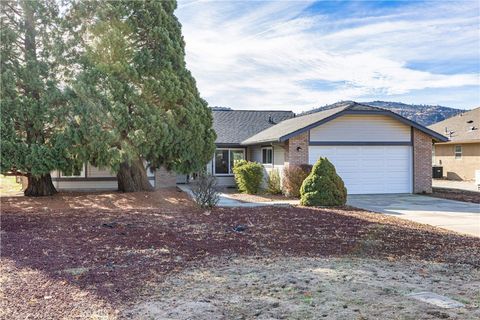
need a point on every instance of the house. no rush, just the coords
(94, 178)
(374, 150)
(235, 126)
(460, 155)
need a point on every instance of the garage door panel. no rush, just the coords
(369, 169)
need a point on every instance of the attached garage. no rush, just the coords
(371, 152)
(369, 169)
(374, 150)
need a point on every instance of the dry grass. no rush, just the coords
(9, 186)
(92, 255)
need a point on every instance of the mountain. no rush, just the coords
(421, 113)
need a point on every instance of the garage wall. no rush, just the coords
(362, 128)
(422, 161)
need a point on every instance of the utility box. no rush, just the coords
(437, 172)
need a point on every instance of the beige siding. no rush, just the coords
(256, 154)
(361, 128)
(82, 183)
(95, 172)
(458, 169)
(225, 181)
(85, 185)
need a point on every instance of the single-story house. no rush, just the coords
(94, 178)
(374, 150)
(460, 155)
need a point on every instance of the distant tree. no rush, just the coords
(34, 109)
(136, 100)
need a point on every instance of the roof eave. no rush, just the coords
(250, 143)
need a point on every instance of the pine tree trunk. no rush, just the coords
(40, 187)
(133, 177)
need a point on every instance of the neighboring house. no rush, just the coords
(374, 150)
(460, 155)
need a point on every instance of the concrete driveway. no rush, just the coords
(457, 216)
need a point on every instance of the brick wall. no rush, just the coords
(294, 157)
(165, 178)
(422, 162)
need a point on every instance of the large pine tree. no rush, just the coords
(136, 100)
(33, 106)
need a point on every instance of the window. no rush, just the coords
(75, 174)
(267, 155)
(458, 152)
(225, 160)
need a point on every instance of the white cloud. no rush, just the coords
(258, 55)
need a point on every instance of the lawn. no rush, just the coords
(155, 255)
(9, 186)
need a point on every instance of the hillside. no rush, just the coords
(423, 114)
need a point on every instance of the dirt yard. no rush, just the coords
(112, 255)
(261, 197)
(457, 194)
(312, 288)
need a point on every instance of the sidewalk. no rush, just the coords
(226, 201)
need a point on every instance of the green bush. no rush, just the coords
(273, 182)
(293, 177)
(323, 186)
(248, 176)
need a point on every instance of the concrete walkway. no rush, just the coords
(227, 201)
(462, 217)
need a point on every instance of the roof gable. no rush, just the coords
(292, 127)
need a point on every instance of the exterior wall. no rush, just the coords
(95, 172)
(366, 128)
(294, 156)
(458, 169)
(422, 162)
(94, 178)
(86, 185)
(165, 178)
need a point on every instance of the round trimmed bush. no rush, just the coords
(323, 186)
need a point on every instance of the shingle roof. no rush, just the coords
(297, 125)
(234, 126)
(459, 127)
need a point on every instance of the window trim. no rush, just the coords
(263, 160)
(80, 176)
(230, 172)
(458, 154)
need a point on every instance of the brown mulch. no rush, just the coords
(456, 194)
(261, 197)
(68, 253)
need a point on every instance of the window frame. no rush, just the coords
(458, 154)
(230, 172)
(81, 175)
(267, 149)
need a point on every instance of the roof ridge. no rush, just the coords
(241, 110)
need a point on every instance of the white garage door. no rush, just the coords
(369, 169)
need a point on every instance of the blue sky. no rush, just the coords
(297, 55)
